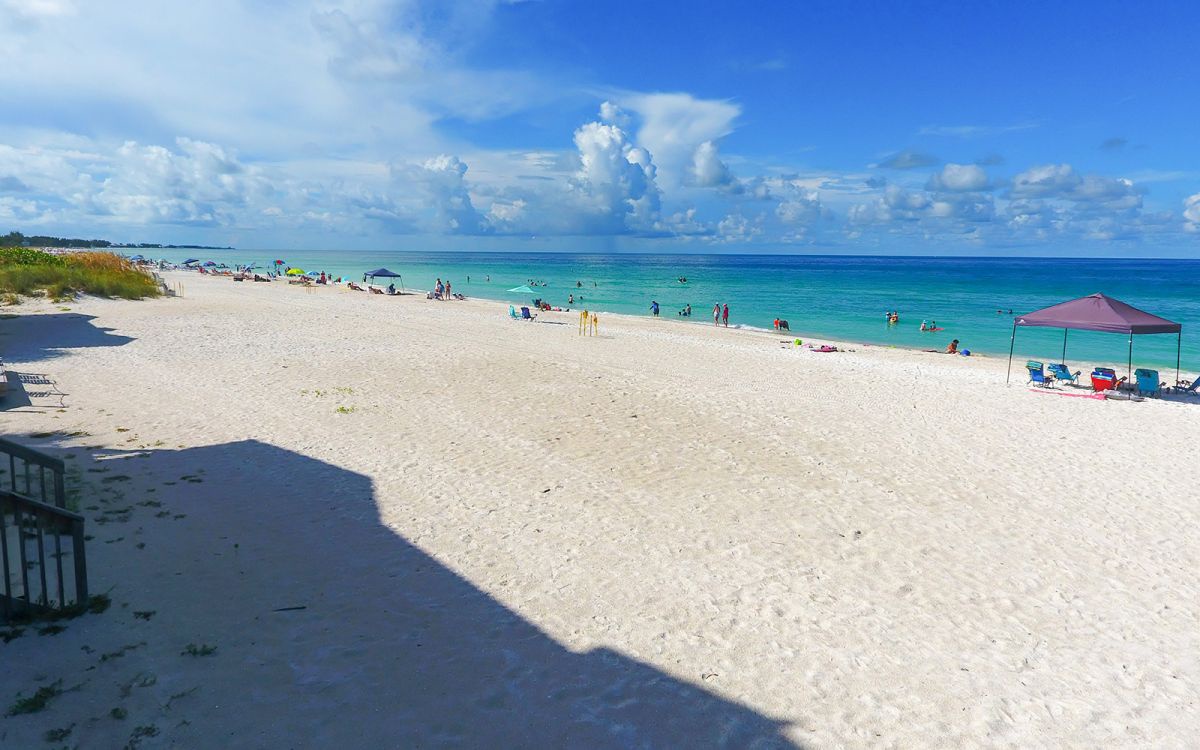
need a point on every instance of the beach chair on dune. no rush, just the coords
(1037, 375)
(526, 315)
(1147, 381)
(1063, 373)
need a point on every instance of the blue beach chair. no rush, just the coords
(1037, 376)
(1063, 373)
(512, 313)
(1147, 381)
(525, 315)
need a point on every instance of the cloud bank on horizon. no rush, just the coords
(496, 125)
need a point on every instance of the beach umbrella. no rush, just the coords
(295, 272)
(279, 262)
(189, 261)
(209, 263)
(521, 290)
(137, 257)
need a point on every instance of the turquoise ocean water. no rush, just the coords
(836, 297)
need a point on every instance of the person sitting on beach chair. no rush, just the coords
(391, 289)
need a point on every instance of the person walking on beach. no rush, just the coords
(717, 314)
(447, 289)
(725, 315)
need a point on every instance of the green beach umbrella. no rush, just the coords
(521, 290)
(295, 272)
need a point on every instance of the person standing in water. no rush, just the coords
(654, 308)
(717, 314)
(725, 315)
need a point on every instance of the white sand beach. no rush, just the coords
(409, 523)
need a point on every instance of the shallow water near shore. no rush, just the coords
(839, 297)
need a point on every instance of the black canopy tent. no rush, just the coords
(383, 273)
(1098, 312)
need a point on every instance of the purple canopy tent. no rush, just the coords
(1097, 312)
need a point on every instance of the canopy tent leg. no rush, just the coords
(1064, 356)
(1012, 343)
(1129, 369)
(1178, 349)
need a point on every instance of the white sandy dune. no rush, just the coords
(406, 523)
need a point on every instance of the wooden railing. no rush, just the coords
(33, 523)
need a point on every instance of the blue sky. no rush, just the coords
(855, 127)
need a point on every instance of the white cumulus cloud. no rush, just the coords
(959, 178)
(674, 126)
(1191, 213)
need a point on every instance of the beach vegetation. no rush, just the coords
(143, 732)
(36, 702)
(201, 650)
(29, 272)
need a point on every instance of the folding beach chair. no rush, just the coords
(1037, 376)
(512, 313)
(1188, 390)
(1063, 373)
(1103, 379)
(1147, 381)
(526, 315)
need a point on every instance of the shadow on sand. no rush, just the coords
(367, 639)
(33, 338)
(24, 387)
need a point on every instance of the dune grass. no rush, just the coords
(24, 271)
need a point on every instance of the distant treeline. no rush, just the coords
(16, 239)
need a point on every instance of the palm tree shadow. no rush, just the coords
(383, 644)
(43, 337)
